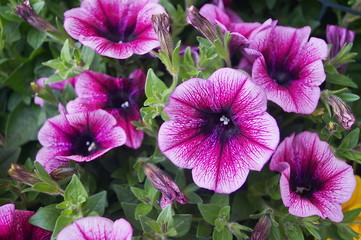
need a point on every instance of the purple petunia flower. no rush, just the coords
(116, 29)
(338, 37)
(118, 96)
(289, 67)
(313, 181)
(219, 128)
(97, 228)
(14, 225)
(80, 137)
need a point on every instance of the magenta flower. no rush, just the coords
(116, 29)
(289, 67)
(118, 96)
(313, 181)
(97, 228)
(338, 37)
(219, 128)
(14, 225)
(80, 137)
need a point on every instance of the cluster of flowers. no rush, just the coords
(218, 127)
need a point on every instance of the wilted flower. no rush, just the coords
(118, 96)
(116, 29)
(161, 27)
(80, 137)
(162, 182)
(14, 225)
(219, 128)
(342, 111)
(289, 67)
(338, 37)
(202, 24)
(313, 181)
(97, 228)
(19, 173)
(26, 12)
(262, 229)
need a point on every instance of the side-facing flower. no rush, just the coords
(313, 181)
(338, 37)
(80, 137)
(342, 111)
(118, 96)
(19, 173)
(289, 67)
(161, 27)
(116, 29)
(14, 225)
(97, 228)
(219, 128)
(162, 182)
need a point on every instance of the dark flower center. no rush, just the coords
(118, 100)
(119, 35)
(221, 122)
(281, 75)
(304, 184)
(84, 145)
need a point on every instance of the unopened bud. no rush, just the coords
(162, 182)
(202, 24)
(19, 173)
(26, 12)
(262, 229)
(342, 111)
(161, 25)
(62, 173)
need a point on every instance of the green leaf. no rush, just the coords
(98, 202)
(166, 216)
(36, 38)
(75, 191)
(129, 210)
(140, 194)
(8, 156)
(142, 209)
(182, 224)
(45, 188)
(149, 225)
(209, 212)
(220, 223)
(350, 216)
(87, 55)
(42, 174)
(349, 97)
(203, 229)
(225, 234)
(45, 217)
(293, 231)
(61, 223)
(340, 79)
(153, 85)
(65, 52)
(350, 140)
(220, 199)
(313, 230)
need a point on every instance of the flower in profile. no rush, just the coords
(219, 128)
(97, 228)
(342, 111)
(202, 24)
(338, 37)
(19, 173)
(80, 137)
(313, 181)
(116, 29)
(289, 67)
(162, 182)
(14, 225)
(118, 96)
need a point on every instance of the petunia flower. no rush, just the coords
(219, 128)
(118, 96)
(116, 29)
(338, 37)
(162, 182)
(343, 112)
(14, 225)
(97, 228)
(80, 137)
(289, 67)
(313, 181)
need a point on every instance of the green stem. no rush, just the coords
(174, 82)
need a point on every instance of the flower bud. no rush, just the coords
(262, 229)
(26, 12)
(19, 173)
(202, 24)
(62, 173)
(342, 111)
(162, 182)
(161, 24)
